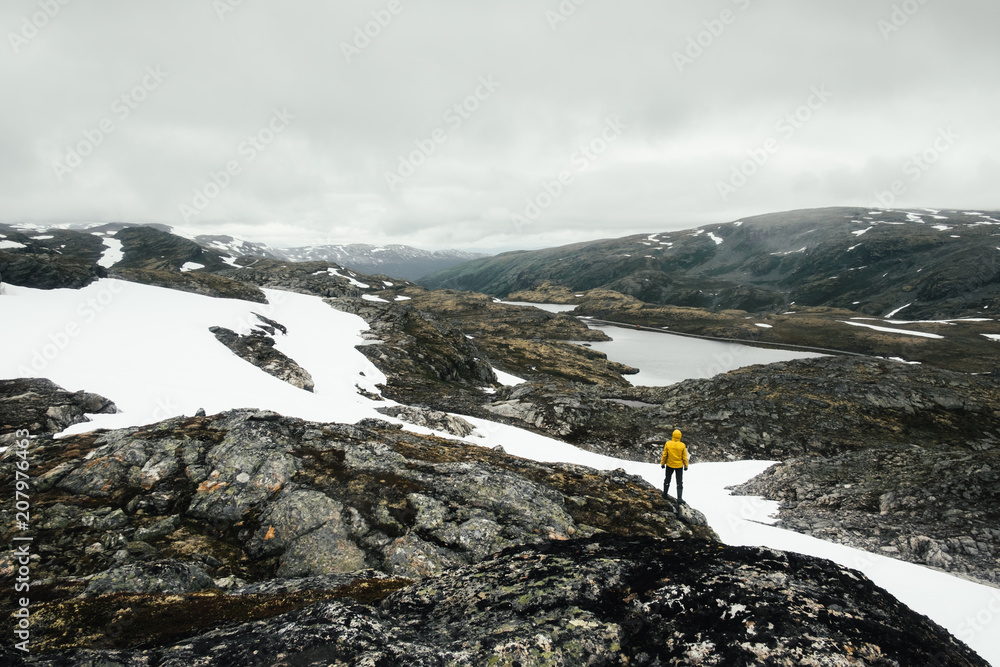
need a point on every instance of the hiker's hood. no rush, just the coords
(677, 435)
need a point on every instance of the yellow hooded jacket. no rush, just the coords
(675, 453)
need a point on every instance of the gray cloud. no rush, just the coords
(699, 88)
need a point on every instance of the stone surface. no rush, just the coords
(601, 601)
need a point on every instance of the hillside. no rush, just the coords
(929, 264)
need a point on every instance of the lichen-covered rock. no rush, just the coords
(166, 576)
(607, 600)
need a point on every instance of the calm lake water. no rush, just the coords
(664, 359)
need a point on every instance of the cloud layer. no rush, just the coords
(444, 123)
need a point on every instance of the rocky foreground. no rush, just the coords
(254, 539)
(599, 601)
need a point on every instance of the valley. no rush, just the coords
(266, 428)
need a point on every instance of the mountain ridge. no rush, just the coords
(934, 263)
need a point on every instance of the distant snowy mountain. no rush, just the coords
(227, 245)
(395, 261)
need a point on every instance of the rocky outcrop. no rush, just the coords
(828, 405)
(206, 284)
(600, 601)
(47, 271)
(40, 406)
(317, 278)
(598, 418)
(432, 419)
(523, 340)
(426, 360)
(773, 412)
(929, 503)
(252, 496)
(258, 349)
(821, 406)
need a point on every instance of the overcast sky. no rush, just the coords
(491, 125)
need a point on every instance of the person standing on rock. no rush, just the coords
(675, 461)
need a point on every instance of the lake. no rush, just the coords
(664, 359)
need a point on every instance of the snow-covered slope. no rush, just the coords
(149, 350)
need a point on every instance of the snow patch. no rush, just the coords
(862, 232)
(995, 337)
(763, 326)
(921, 334)
(715, 238)
(4, 245)
(372, 297)
(192, 266)
(506, 379)
(355, 283)
(890, 315)
(145, 344)
(113, 253)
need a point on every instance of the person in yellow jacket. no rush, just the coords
(674, 460)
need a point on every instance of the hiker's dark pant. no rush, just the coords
(680, 481)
